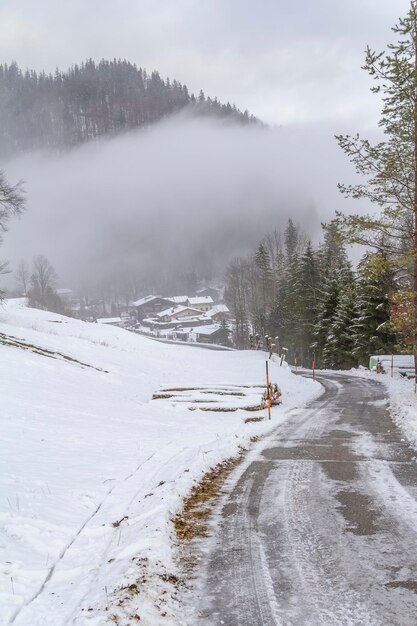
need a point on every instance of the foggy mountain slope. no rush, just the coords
(160, 208)
(91, 100)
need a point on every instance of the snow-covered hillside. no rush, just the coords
(93, 469)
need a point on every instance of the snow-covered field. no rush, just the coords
(93, 469)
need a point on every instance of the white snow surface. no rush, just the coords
(93, 470)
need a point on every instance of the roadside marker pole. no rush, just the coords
(392, 365)
(268, 391)
(314, 367)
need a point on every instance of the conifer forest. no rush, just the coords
(312, 301)
(90, 100)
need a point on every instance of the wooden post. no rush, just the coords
(268, 391)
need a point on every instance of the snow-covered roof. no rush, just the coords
(206, 330)
(64, 292)
(109, 320)
(177, 299)
(145, 300)
(218, 308)
(173, 310)
(156, 321)
(200, 300)
(177, 310)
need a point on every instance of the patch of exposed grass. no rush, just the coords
(249, 420)
(192, 521)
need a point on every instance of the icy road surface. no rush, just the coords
(321, 526)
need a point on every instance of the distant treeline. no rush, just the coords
(39, 110)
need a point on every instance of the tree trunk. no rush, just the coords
(415, 212)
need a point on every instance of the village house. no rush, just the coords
(66, 295)
(182, 322)
(150, 306)
(209, 291)
(178, 300)
(219, 312)
(203, 303)
(207, 334)
(177, 313)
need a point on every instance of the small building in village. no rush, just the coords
(150, 305)
(207, 334)
(203, 303)
(209, 291)
(113, 321)
(177, 313)
(219, 312)
(178, 300)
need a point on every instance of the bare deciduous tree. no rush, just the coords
(43, 280)
(22, 277)
(12, 202)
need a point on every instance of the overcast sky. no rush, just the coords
(296, 65)
(285, 61)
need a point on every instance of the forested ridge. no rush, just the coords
(39, 110)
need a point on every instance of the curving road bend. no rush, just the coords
(321, 528)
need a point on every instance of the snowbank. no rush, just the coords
(401, 394)
(403, 402)
(93, 469)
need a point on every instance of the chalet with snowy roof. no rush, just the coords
(177, 313)
(66, 295)
(203, 303)
(156, 323)
(178, 300)
(150, 306)
(207, 334)
(219, 312)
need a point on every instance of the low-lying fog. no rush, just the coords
(185, 195)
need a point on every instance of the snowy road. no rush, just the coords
(320, 527)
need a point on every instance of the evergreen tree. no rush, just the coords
(338, 346)
(389, 168)
(306, 286)
(372, 330)
(264, 294)
(225, 334)
(328, 300)
(287, 304)
(237, 299)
